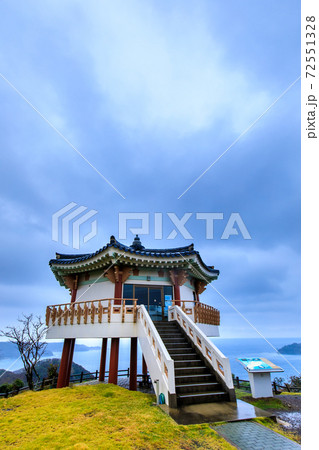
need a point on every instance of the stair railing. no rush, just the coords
(159, 363)
(212, 354)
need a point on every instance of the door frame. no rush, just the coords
(151, 286)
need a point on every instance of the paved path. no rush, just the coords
(253, 436)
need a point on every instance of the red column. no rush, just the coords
(67, 374)
(114, 360)
(70, 359)
(177, 294)
(133, 365)
(118, 289)
(144, 369)
(144, 366)
(73, 295)
(103, 359)
(64, 363)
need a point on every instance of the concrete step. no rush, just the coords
(187, 388)
(181, 344)
(186, 370)
(171, 340)
(183, 356)
(201, 397)
(194, 381)
(195, 378)
(168, 338)
(171, 334)
(188, 363)
(167, 327)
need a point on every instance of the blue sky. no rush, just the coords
(152, 93)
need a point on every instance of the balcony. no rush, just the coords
(112, 317)
(120, 311)
(199, 312)
(95, 311)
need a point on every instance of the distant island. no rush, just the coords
(292, 349)
(10, 351)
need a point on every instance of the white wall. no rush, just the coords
(96, 330)
(95, 291)
(186, 293)
(209, 330)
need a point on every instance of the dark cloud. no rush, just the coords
(152, 105)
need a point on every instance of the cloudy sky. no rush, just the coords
(152, 93)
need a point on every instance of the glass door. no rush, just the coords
(141, 293)
(155, 303)
(156, 299)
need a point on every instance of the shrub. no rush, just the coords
(17, 384)
(52, 371)
(295, 382)
(6, 387)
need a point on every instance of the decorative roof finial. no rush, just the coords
(137, 244)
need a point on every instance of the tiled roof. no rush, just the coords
(137, 249)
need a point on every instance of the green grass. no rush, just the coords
(262, 403)
(103, 416)
(269, 423)
(291, 393)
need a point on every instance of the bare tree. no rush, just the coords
(28, 338)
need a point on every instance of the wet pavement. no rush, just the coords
(215, 412)
(250, 435)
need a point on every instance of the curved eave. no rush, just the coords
(190, 260)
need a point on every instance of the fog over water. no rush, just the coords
(232, 348)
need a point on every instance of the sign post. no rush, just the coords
(259, 370)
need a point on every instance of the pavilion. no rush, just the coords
(151, 296)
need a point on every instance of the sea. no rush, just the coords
(230, 347)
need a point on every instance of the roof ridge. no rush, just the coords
(63, 259)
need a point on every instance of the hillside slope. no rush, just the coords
(101, 416)
(42, 369)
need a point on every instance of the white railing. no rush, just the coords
(159, 363)
(118, 310)
(199, 312)
(211, 353)
(111, 310)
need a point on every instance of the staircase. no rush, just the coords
(194, 381)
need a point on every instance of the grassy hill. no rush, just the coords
(9, 377)
(101, 416)
(42, 369)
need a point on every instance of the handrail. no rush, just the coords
(211, 353)
(200, 312)
(159, 363)
(91, 301)
(91, 311)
